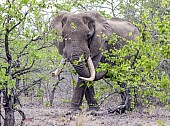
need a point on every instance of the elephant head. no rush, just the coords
(83, 36)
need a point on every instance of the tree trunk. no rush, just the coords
(0, 108)
(9, 117)
(51, 98)
(8, 104)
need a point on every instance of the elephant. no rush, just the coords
(85, 35)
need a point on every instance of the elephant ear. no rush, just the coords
(101, 34)
(57, 25)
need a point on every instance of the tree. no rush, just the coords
(26, 51)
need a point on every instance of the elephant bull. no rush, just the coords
(84, 36)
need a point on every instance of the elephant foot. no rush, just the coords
(98, 113)
(95, 111)
(74, 109)
(93, 108)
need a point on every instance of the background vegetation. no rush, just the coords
(28, 54)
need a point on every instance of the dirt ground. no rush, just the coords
(39, 115)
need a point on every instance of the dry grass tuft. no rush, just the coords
(81, 119)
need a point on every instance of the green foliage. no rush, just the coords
(24, 27)
(47, 104)
(29, 37)
(161, 123)
(142, 71)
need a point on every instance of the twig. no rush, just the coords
(2, 116)
(83, 7)
(108, 82)
(3, 58)
(45, 47)
(23, 71)
(134, 60)
(18, 23)
(105, 97)
(25, 47)
(53, 90)
(29, 86)
(22, 115)
(113, 11)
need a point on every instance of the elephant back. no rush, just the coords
(123, 28)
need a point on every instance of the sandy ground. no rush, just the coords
(39, 115)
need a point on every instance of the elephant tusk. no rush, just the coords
(92, 71)
(58, 70)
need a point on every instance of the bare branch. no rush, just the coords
(105, 97)
(108, 83)
(2, 116)
(8, 55)
(29, 86)
(22, 115)
(45, 46)
(18, 22)
(15, 37)
(25, 47)
(83, 7)
(24, 70)
(113, 9)
(14, 27)
(2, 57)
(109, 2)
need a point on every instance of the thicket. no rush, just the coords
(28, 54)
(147, 72)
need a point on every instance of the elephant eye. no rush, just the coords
(62, 34)
(64, 20)
(85, 20)
(88, 35)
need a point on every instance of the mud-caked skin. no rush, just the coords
(86, 34)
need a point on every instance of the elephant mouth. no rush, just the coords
(90, 66)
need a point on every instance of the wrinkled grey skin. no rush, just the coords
(87, 33)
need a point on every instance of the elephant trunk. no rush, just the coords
(86, 73)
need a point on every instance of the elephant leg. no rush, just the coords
(78, 95)
(91, 101)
